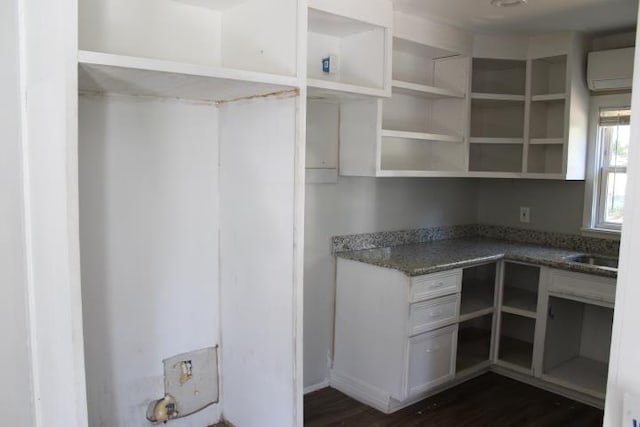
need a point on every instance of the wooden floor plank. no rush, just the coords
(489, 400)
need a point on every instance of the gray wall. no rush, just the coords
(555, 205)
(360, 205)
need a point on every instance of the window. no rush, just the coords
(613, 147)
(609, 139)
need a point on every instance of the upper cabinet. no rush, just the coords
(421, 129)
(348, 49)
(529, 107)
(244, 47)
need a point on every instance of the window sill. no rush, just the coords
(601, 233)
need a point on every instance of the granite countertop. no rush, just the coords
(441, 255)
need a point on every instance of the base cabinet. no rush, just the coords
(431, 359)
(399, 339)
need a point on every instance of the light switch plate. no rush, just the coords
(525, 214)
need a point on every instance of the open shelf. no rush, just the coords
(478, 291)
(520, 289)
(577, 342)
(545, 156)
(518, 301)
(326, 89)
(358, 46)
(474, 343)
(477, 140)
(497, 119)
(498, 76)
(549, 97)
(589, 376)
(497, 97)
(425, 91)
(547, 119)
(516, 340)
(409, 151)
(495, 157)
(421, 136)
(549, 75)
(103, 72)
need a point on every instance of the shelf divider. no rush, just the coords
(424, 91)
(422, 136)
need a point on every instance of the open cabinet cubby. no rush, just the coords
(515, 345)
(409, 154)
(520, 289)
(359, 48)
(545, 158)
(577, 343)
(477, 297)
(474, 343)
(549, 75)
(499, 76)
(497, 119)
(492, 157)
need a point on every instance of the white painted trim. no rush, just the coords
(316, 387)
(360, 391)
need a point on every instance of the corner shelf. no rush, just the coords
(549, 97)
(546, 141)
(425, 91)
(478, 140)
(421, 136)
(497, 97)
(104, 72)
(327, 89)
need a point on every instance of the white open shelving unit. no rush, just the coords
(497, 111)
(361, 43)
(528, 114)
(421, 129)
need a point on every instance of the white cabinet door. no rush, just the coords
(431, 359)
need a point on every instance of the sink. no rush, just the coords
(597, 260)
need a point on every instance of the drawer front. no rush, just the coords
(435, 285)
(584, 286)
(428, 315)
(431, 359)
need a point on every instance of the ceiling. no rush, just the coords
(591, 16)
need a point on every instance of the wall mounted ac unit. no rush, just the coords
(610, 69)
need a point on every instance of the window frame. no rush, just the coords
(594, 203)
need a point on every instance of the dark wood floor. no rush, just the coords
(488, 400)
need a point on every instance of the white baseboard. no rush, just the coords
(360, 391)
(316, 387)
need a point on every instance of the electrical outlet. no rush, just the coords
(525, 214)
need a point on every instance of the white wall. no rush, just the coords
(624, 371)
(149, 245)
(258, 285)
(15, 377)
(360, 205)
(555, 205)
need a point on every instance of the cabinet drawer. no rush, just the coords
(584, 286)
(435, 285)
(431, 359)
(428, 315)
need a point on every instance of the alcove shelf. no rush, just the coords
(127, 75)
(360, 45)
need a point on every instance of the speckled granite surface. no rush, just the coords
(411, 237)
(383, 239)
(431, 257)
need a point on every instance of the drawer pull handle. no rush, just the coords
(436, 313)
(437, 285)
(433, 349)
